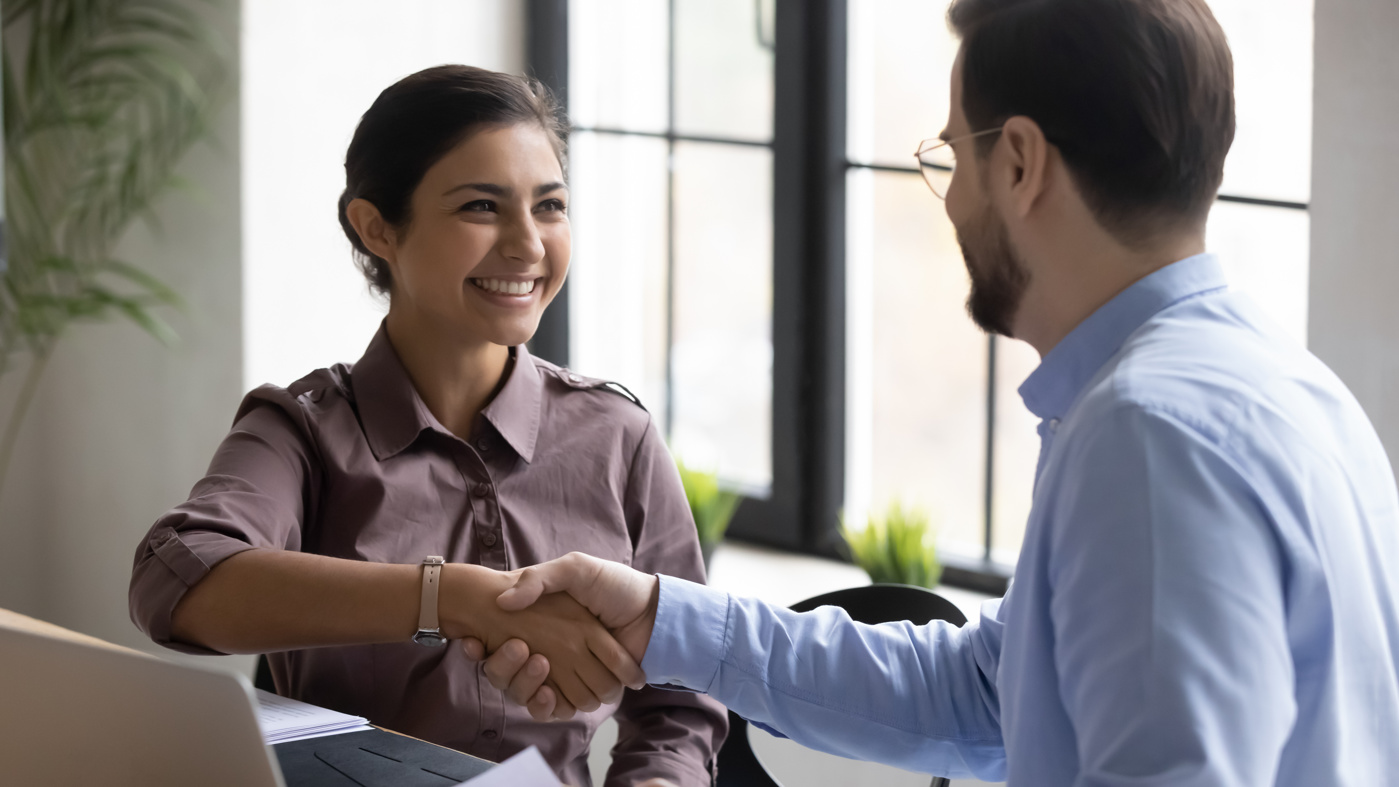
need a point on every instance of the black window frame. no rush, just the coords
(810, 167)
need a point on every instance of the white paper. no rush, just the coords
(526, 769)
(283, 719)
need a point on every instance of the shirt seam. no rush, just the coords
(725, 643)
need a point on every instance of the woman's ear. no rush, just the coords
(373, 231)
(1024, 171)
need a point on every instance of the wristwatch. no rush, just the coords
(429, 632)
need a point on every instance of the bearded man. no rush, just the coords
(1208, 591)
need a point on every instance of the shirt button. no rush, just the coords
(1054, 424)
(488, 539)
(483, 444)
(573, 378)
(482, 490)
(489, 735)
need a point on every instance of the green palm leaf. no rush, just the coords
(102, 100)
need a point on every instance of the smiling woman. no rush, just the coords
(320, 532)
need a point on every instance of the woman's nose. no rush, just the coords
(520, 240)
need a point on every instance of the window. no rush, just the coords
(758, 255)
(671, 172)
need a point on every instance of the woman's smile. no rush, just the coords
(508, 292)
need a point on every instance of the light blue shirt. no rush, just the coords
(1208, 591)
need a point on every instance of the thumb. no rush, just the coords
(528, 587)
(567, 574)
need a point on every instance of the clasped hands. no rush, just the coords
(544, 649)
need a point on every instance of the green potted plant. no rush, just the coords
(712, 507)
(102, 100)
(895, 548)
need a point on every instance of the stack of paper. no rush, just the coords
(284, 720)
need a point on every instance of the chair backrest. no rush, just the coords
(873, 604)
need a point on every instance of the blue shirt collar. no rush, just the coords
(1068, 367)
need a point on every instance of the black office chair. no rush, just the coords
(738, 765)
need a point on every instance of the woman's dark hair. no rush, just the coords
(417, 121)
(1138, 96)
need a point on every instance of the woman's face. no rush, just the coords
(488, 242)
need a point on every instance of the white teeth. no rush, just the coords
(505, 287)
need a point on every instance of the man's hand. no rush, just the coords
(623, 599)
(584, 664)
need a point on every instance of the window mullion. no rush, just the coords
(546, 59)
(808, 311)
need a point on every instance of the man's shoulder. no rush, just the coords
(1223, 372)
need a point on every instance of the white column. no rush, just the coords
(1354, 318)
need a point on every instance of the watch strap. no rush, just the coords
(432, 581)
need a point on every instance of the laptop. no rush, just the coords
(74, 713)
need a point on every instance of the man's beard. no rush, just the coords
(999, 277)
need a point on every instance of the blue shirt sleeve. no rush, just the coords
(921, 698)
(1168, 610)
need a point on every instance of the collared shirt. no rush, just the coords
(1208, 591)
(350, 463)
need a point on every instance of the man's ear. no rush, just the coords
(1023, 172)
(374, 232)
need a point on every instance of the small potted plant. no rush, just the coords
(711, 506)
(897, 548)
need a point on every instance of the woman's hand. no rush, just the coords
(583, 664)
(522, 676)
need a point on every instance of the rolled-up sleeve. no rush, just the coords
(256, 492)
(661, 733)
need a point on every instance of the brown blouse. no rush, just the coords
(349, 462)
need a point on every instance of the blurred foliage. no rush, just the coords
(897, 548)
(713, 508)
(102, 99)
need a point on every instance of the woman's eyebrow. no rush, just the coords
(488, 188)
(504, 191)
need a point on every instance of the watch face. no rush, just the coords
(431, 639)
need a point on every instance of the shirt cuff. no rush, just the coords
(690, 636)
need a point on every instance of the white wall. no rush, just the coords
(123, 426)
(310, 70)
(1354, 323)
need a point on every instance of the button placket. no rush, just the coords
(488, 523)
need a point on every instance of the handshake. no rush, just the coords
(567, 635)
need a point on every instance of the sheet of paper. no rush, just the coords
(283, 719)
(526, 769)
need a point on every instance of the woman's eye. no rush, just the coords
(553, 205)
(479, 206)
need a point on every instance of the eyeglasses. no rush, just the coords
(937, 160)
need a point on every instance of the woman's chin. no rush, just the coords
(515, 333)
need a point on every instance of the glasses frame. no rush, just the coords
(927, 146)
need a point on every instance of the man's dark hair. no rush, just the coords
(418, 120)
(1137, 95)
